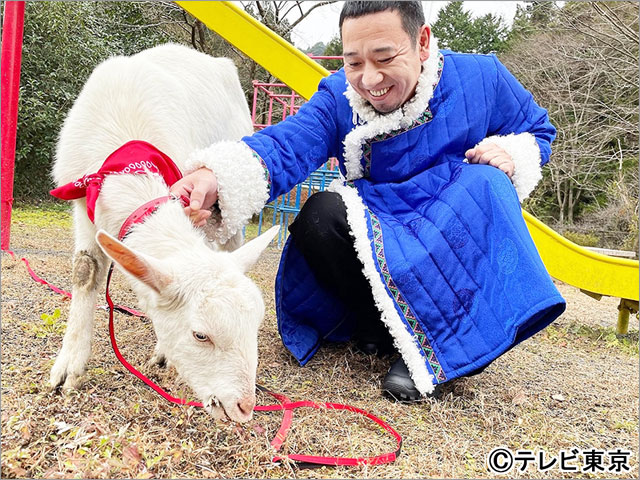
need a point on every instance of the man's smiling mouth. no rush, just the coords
(379, 93)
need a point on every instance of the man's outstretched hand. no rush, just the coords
(201, 187)
(491, 154)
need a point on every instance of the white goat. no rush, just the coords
(204, 310)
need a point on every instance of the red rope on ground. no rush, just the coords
(121, 308)
(286, 405)
(37, 278)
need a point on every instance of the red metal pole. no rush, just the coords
(270, 110)
(12, 29)
(255, 102)
(293, 102)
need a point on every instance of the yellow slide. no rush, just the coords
(566, 261)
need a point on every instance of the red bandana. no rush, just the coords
(134, 157)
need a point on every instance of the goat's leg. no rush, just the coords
(89, 270)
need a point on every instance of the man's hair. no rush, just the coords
(411, 13)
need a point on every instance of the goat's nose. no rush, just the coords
(246, 404)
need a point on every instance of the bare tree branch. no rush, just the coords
(584, 71)
(306, 14)
(614, 21)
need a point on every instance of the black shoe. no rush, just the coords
(398, 384)
(374, 348)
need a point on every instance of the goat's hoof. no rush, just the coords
(158, 360)
(64, 380)
(56, 379)
(73, 382)
(54, 385)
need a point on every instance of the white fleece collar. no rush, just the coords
(370, 123)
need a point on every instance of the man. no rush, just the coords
(421, 249)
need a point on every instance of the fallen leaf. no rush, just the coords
(131, 455)
(519, 398)
(51, 473)
(240, 432)
(26, 432)
(95, 427)
(18, 471)
(207, 473)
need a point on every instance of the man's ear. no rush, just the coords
(132, 262)
(424, 37)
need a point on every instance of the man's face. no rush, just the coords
(381, 62)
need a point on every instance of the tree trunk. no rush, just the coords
(570, 207)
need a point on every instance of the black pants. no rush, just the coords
(321, 233)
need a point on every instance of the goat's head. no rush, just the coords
(206, 313)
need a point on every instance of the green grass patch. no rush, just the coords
(584, 239)
(251, 231)
(50, 325)
(48, 214)
(626, 425)
(606, 337)
(55, 214)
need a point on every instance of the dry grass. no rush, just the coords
(573, 385)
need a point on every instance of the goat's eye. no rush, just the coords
(201, 337)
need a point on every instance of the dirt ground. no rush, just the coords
(573, 386)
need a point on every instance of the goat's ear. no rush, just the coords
(133, 262)
(247, 255)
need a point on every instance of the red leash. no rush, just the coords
(37, 278)
(286, 405)
(119, 308)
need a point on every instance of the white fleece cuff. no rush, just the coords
(525, 153)
(242, 187)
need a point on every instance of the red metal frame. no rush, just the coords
(289, 101)
(12, 30)
(287, 206)
(286, 100)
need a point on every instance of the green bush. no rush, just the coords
(584, 239)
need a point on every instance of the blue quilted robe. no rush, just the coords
(443, 243)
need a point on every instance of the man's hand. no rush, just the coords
(201, 186)
(491, 154)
